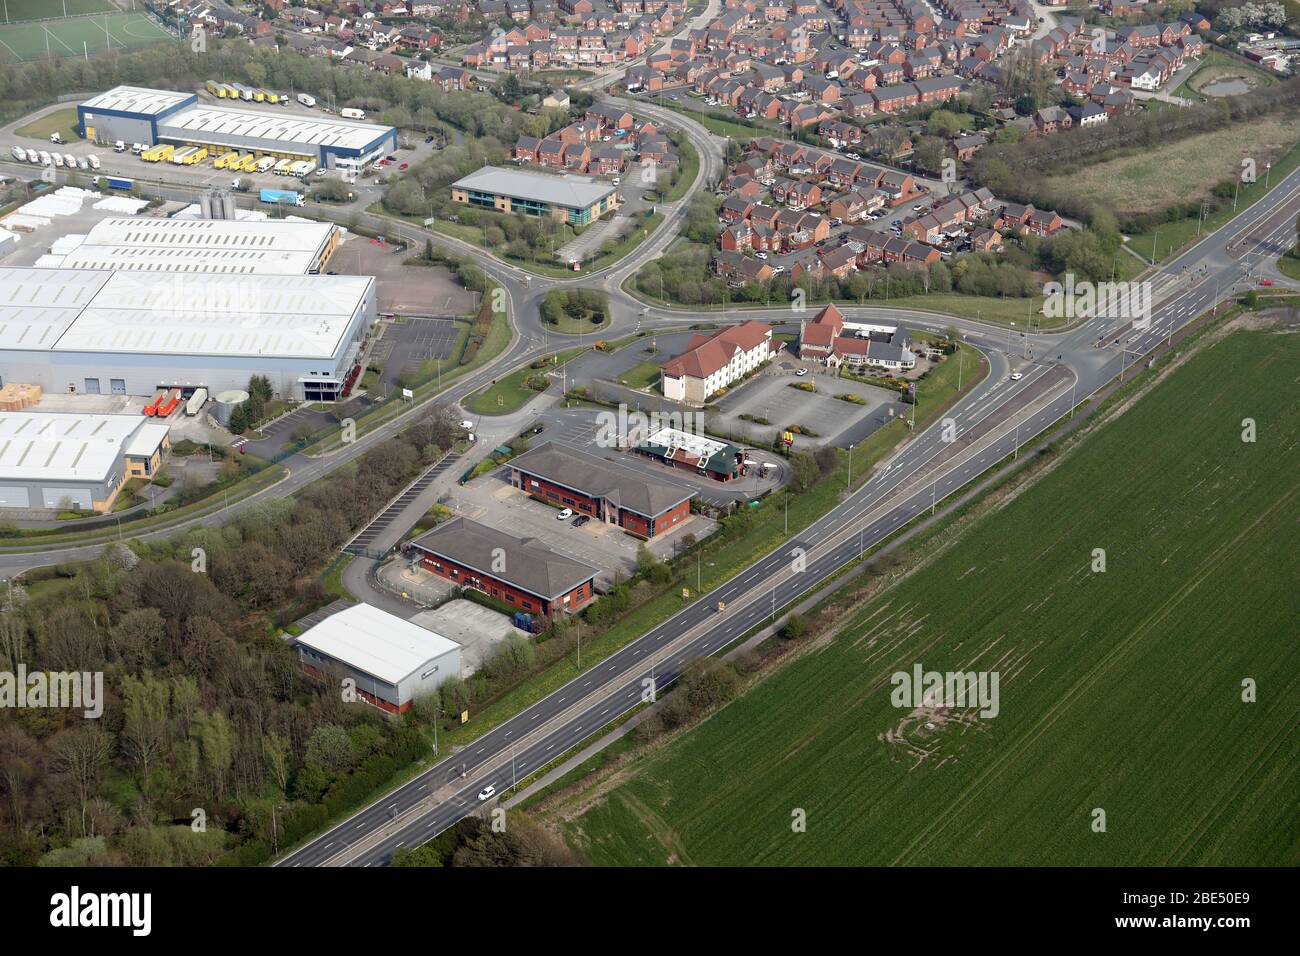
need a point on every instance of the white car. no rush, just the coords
(802, 372)
(760, 255)
(1016, 376)
(565, 514)
(487, 793)
(467, 425)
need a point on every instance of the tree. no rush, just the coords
(81, 754)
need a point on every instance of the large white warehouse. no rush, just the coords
(231, 246)
(133, 333)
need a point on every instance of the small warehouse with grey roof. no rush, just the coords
(390, 661)
(134, 333)
(577, 200)
(65, 462)
(135, 114)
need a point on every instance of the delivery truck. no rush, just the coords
(265, 163)
(350, 113)
(282, 167)
(281, 197)
(181, 156)
(118, 182)
(93, 160)
(307, 100)
(195, 403)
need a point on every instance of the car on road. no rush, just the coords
(487, 793)
(467, 425)
(1016, 376)
(579, 521)
(403, 166)
(565, 515)
(760, 255)
(1266, 282)
(802, 372)
(428, 139)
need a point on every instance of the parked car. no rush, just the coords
(579, 521)
(565, 515)
(467, 425)
(403, 166)
(802, 372)
(760, 255)
(428, 139)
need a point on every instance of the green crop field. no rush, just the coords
(77, 36)
(1119, 691)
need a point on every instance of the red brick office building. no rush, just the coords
(522, 572)
(573, 479)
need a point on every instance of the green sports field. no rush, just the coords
(1120, 691)
(13, 11)
(76, 36)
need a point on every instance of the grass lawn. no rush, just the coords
(720, 125)
(641, 375)
(569, 325)
(63, 122)
(1219, 66)
(75, 37)
(1119, 690)
(16, 10)
(1289, 264)
(509, 394)
(690, 161)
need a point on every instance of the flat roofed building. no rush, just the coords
(616, 494)
(137, 332)
(522, 572)
(63, 461)
(392, 660)
(699, 453)
(576, 199)
(138, 115)
(244, 247)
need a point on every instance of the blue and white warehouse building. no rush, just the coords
(135, 114)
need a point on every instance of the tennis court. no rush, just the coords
(76, 36)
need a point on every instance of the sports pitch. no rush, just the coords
(77, 36)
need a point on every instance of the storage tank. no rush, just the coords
(223, 406)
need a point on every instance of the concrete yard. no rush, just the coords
(477, 629)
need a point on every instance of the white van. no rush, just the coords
(119, 147)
